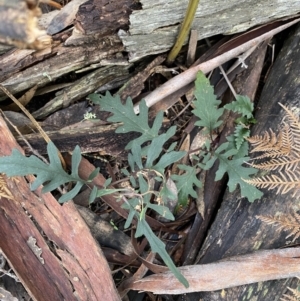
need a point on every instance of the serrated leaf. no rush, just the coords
(242, 105)
(242, 151)
(124, 113)
(158, 246)
(206, 104)
(236, 172)
(240, 134)
(53, 174)
(185, 182)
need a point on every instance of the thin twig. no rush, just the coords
(36, 124)
(184, 30)
(35, 152)
(189, 75)
(224, 73)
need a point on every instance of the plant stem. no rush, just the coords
(184, 30)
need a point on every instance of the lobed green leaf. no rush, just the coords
(206, 104)
(242, 105)
(124, 113)
(240, 134)
(53, 174)
(231, 162)
(185, 183)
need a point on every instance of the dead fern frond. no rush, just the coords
(283, 157)
(288, 163)
(282, 154)
(273, 145)
(283, 182)
(287, 222)
(294, 297)
(266, 142)
(294, 123)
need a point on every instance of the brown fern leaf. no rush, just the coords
(273, 145)
(288, 136)
(294, 297)
(288, 163)
(283, 155)
(287, 222)
(283, 182)
(294, 123)
(266, 142)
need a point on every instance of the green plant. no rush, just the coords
(184, 29)
(149, 157)
(52, 174)
(232, 154)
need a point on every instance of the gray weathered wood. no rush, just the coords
(154, 28)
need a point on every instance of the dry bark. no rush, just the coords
(65, 263)
(94, 42)
(212, 17)
(101, 138)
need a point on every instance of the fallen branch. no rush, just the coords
(189, 75)
(234, 271)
